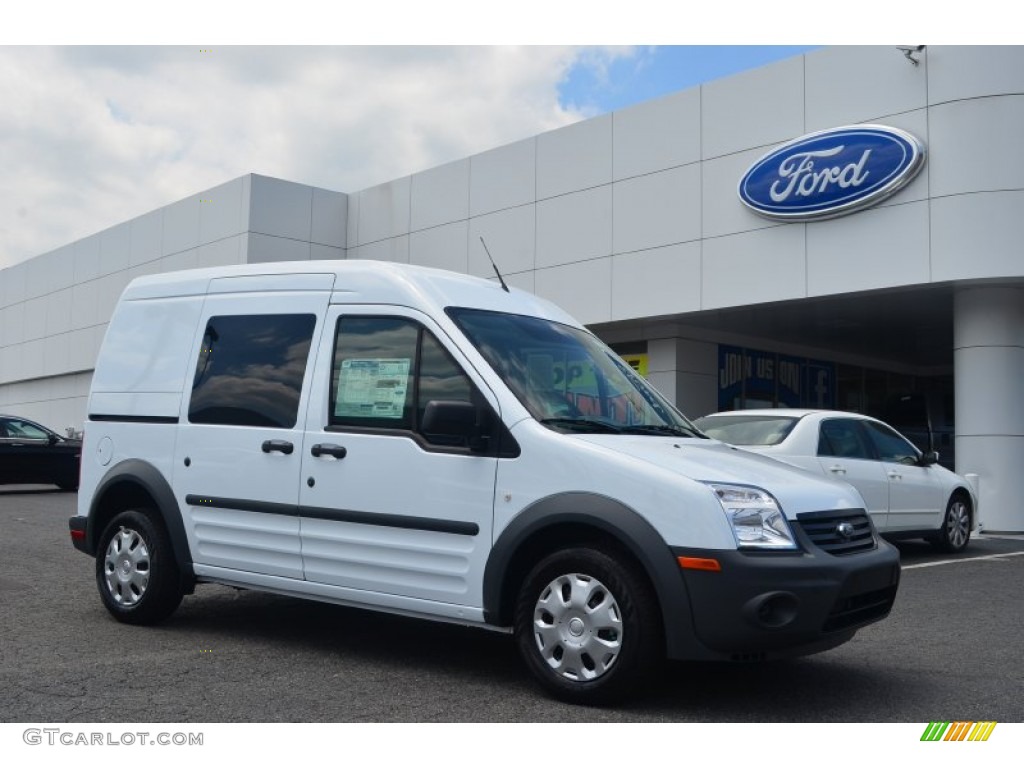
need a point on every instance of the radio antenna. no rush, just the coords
(500, 278)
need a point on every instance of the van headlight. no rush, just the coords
(754, 516)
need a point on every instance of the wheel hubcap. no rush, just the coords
(126, 566)
(958, 523)
(578, 627)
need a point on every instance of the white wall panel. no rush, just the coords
(264, 248)
(976, 145)
(58, 312)
(221, 211)
(843, 85)
(583, 290)
(146, 238)
(55, 354)
(757, 108)
(977, 236)
(37, 277)
(87, 259)
(656, 135)
(84, 303)
(660, 281)
(181, 225)
(176, 261)
(441, 247)
(115, 248)
(393, 249)
(576, 157)
(222, 253)
(754, 267)
(574, 227)
(62, 267)
(510, 234)
(330, 218)
(440, 195)
(657, 209)
(721, 209)
(12, 286)
(319, 252)
(384, 211)
(880, 248)
(966, 72)
(503, 177)
(280, 208)
(35, 318)
(32, 365)
(13, 319)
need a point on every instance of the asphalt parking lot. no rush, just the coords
(949, 651)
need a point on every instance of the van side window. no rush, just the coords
(385, 365)
(250, 369)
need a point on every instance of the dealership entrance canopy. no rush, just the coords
(841, 229)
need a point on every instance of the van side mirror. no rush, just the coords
(454, 422)
(932, 457)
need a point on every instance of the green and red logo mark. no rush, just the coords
(958, 731)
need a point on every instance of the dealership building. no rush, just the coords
(841, 229)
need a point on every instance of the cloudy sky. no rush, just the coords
(93, 135)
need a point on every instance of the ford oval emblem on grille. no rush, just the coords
(845, 530)
(832, 173)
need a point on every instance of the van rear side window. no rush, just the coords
(250, 369)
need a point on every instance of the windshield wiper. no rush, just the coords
(582, 425)
(660, 429)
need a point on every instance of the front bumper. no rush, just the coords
(763, 605)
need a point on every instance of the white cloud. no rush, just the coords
(90, 137)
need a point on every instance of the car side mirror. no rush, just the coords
(456, 421)
(52, 439)
(932, 457)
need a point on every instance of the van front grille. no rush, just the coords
(840, 532)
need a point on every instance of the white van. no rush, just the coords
(432, 444)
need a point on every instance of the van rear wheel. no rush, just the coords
(138, 579)
(587, 626)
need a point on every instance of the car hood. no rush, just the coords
(796, 490)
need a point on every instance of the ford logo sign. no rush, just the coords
(832, 173)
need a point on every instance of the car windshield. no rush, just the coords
(567, 378)
(747, 429)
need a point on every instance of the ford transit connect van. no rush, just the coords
(431, 444)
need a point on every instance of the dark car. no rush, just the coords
(31, 453)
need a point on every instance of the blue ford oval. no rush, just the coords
(832, 173)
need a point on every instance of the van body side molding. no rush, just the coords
(385, 519)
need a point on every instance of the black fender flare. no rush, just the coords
(151, 480)
(615, 520)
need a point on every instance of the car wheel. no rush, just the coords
(587, 625)
(956, 526)
(136, 574)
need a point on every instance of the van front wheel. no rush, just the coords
(587, 625)
(136, 574)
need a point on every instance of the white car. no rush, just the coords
(906, 492)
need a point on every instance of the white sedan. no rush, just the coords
(907, 493)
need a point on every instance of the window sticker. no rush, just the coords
(373, 388)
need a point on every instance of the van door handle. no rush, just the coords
(837, 470)
(895, 476)
(337, 451)
(278, 446)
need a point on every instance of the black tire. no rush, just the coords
(955, 531)
(583, 655)
(136, 574)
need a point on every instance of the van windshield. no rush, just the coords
(567, 378)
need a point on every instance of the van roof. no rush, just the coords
(352, 281)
